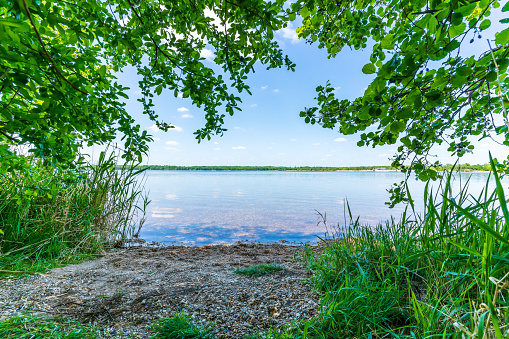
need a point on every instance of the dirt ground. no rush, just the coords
(126, 290)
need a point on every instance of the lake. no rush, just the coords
(203, 207)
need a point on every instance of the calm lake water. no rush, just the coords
(203, 207)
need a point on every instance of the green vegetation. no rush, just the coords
(51, 216)
(426, 88)
(259, 270)
(445, 275)
(261, 168)
(58, 61)
(37, 326)
(27, 326)
(463, 168)
(180, 326)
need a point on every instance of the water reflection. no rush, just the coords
(200, 207)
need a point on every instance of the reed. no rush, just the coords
(49, 215)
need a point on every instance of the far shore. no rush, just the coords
(464, 168)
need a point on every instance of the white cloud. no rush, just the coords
(383, 155)
(276, 90)
(180, 95)
(254, 105)
(216, 143)
(337, 88)
(174, 143)
(175, 128)
(340, 140)
(207, 54)
(236, 127)
(217, 149)
(182, 109)
(186, 116)
(238, 147)
(289, 32)
(269, 147)
(153, 128)
(264, 87)
(137, 92)
(328, 155)
(316, 144)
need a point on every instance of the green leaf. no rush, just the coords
(102, 71)
(388, 42)
(485, 24)
(423, 176)
(465, 248)
(304, 12)
(506, 7)
(484, 226)
(467, 9)
(369, 69)
(502, 38)
(500, 191)
(457, 30)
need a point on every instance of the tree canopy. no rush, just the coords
(426, 91)
(58, 62)
(58, 90)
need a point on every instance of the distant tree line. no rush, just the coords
(448, 167)
(263, 168)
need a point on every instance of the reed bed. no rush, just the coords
(51, 215)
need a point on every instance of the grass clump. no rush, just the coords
(36, 326)
(50, 216)
(259, 270)
(180, 326)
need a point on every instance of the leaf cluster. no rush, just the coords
(58, 62)
(425, 90)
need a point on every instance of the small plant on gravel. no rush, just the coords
(259, 270)
(180, 326)
(37, 326)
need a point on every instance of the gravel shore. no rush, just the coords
(126, 290)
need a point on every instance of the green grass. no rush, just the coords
(180, 326)
(50, 217)
(36, 326)
(259, 270)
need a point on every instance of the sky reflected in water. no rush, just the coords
(203, 207)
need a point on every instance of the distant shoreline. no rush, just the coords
(465, 168)
(269, 168)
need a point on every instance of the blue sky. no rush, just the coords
(268, 130)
